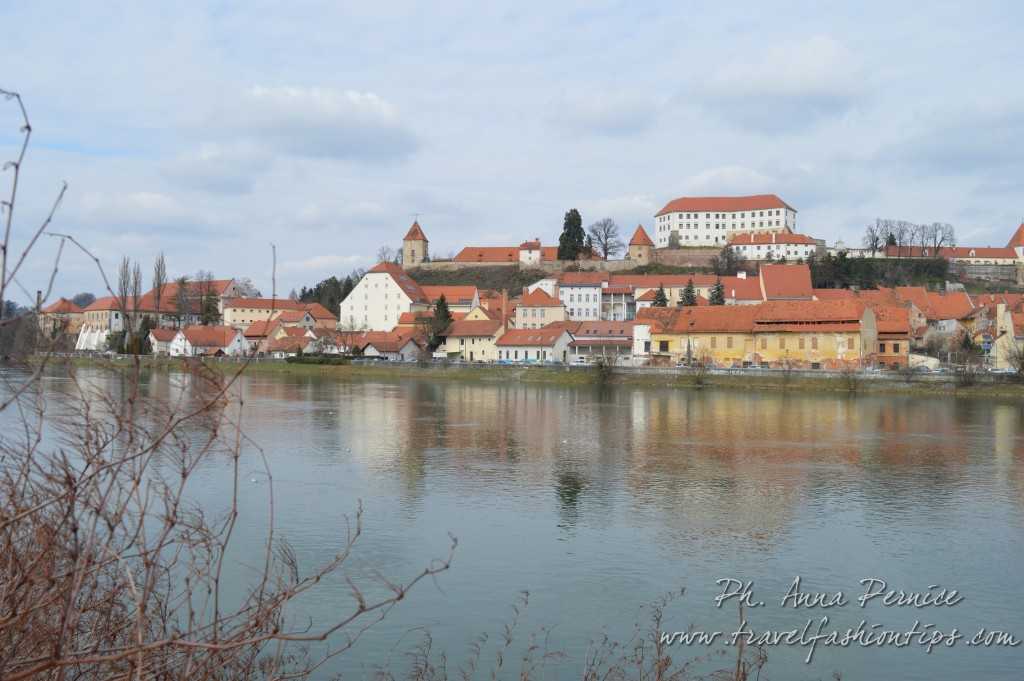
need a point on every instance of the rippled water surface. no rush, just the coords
(600, 501)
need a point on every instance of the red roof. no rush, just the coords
(752, 239)
(605, 329)
(404, 281)
(318, 311)
(289, 344)
(640, 237)
(583, 278)
(951, 252)
(785, 282)
(291, 316)
(650, 294)
(543, 337)
(453, 295)
(62, 306)
(415, 233)
(726, 204)
(260, 329)
(473, 327)
(209, 336)
(891, 319)
(538, 298)
(390, 341)
(163, 335)
(1018, 237)
(833, 293)
(501, 254)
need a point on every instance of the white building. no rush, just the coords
(548, 344)
(379, 299)
(197, 341)
(709, 220)
(775, 246)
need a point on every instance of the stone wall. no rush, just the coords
(678, 257)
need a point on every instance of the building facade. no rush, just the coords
(709, 220)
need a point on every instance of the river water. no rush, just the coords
(599, 501)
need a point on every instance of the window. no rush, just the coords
(728, 341)
(800, 344)
(714, 342)
(663, 346)
(814, 342)
(881, 347)
(782, 343)
(896, 348)
(764, 343)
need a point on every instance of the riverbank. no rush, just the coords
(982, 385)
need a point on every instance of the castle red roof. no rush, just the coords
(415, 233)
(640, 237)
(726, 204)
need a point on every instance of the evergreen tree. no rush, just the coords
(689, 298)
(717, 296)
(572, 241)
(346, 287)
(442, 320)
(660, 299)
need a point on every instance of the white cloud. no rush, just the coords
(130, 208)
(326, 123)
(786, 87)
(729, 180)
(218, 168)
(603, 112)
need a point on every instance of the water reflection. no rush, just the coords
(600, 500)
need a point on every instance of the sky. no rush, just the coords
(209, 131)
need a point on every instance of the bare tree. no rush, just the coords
(604, 234)
(159, 283)
(387, 254)
(941, 235)
(873, 237)
(106, 569)
(246, 288)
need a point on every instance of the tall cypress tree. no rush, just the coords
(689, 298)
(571, 242)
(717, 296)
(660, 299)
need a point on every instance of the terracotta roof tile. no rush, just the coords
(640, 237)
(538, 298)
(473, 327)
(62, 306)
(726, 204)
(209, 336)
(785, 282)
(542, 337)
(415, 233)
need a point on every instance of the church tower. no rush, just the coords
(414, 247)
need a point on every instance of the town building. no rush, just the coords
(474, 340)
(709, 220)
(526, 254)
(414, 246)
(198, 341)
(61, 316)
(160, 341)
(548, 344)
(775, 246)
(241, 312)
(611, 341)
(379, 299)
(537, 309)
(641, 248)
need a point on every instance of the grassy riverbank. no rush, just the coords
(985, 386)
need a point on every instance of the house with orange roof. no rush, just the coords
(775, 246)
(400, 344)
(198, 341)
(545, 345)
(612, 341)
(160, 341)
(527, 253)
(61, 316)
(537, 309)
(795, 334)
(709, 220)
(474, 340)
(241, 312)
(459, 298)
(379, 299)
(895, 335)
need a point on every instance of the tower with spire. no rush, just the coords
(640, 247)
(414, 246)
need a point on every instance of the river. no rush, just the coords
(600, 500)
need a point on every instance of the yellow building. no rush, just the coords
(537, 309)
(473, 340)
(795, 334)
